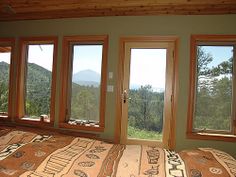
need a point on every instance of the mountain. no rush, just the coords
(138, 86)
(86, 78)
(36, 73)
(38, 90)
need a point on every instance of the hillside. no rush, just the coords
(36, 73)
(38, 88)
(4, 71)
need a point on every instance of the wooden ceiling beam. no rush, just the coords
(38, 9)
(102, 4)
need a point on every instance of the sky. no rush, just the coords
(6, 57)
(87, 57)
(148, 67)
(219, 53)
(41, 55)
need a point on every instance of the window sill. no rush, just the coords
(5, 118)
(31, 119)
(83, 123)
(211, 136)
(81, 127)
(42, 118)
(34, 121)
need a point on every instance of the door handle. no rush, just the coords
(125, 96)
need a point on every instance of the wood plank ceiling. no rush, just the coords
(48, 9)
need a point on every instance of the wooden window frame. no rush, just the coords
(11, 43)
(65, 86)
(23, 43)
(217, 40)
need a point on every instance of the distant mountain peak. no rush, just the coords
(89, 70)
(87, 77)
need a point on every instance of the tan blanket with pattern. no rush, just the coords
(28, 154)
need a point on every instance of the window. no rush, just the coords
(84, 82)
(212, 89)
(6, 59)
(37, 79)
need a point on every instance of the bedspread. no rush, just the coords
(29, 154)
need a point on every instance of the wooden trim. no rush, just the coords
(10, 42)
(207, 40)
(212, 136)
(175, 91)
(145, 142)
(4, 49)
(86, 39)
(191, 97)
(39, 40)
(213, 38)
(168, 101)
(20, 81)
(103, 82)
(119, 90)
(234, 91)
(34, 122)
(11, 81)
(66, 60)
(50, 130)
(125, 88)
(54, 78)
(63, 77)
(7, 41)
(24, 41)
(81, 127)
(149, 39)
(123, 40)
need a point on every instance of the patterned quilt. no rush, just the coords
(28, 154)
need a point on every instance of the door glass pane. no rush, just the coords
(146, 93)
(214, 88)
(38, 81)
(5, 60)
(86, 85)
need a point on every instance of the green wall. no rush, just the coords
(116, 27)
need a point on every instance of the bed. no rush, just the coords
(36, 154)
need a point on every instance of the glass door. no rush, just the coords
(147, 93)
